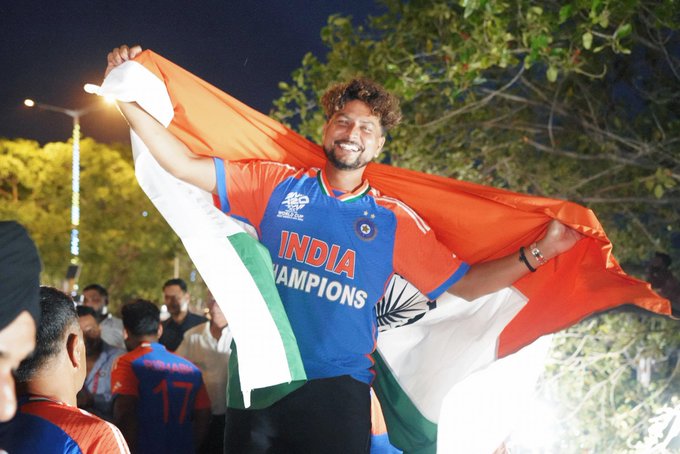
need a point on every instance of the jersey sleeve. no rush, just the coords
(123, 378)
(202, 399)
(422, 259)
(244, 188)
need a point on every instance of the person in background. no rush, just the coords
(48, 420)
(97, 297)
(176, 298)
(160, 402)
(19, 307)
(95, 396)
(660, 276)
(208, 346)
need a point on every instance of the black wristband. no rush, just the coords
(523, 259)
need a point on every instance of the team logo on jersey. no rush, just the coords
(365, 228)
(294, 202)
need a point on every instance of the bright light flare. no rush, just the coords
(537, 428)
(483, 410)
(29, 102)
(91, 89)
(95, 90)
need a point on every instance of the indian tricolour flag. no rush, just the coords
(423, 355)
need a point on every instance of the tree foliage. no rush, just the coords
(575, 100)
(125, 244)
(572, 100)
(610, 377)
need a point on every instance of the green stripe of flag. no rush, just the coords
(408, 429)
(257, 260)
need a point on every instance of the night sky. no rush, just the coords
(50, 49)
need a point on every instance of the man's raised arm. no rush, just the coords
(171, 153)
(488, 277)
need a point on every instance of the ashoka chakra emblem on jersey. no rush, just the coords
(365, 229)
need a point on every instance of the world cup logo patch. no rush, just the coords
(365, 229)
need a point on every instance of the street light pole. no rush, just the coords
(75, 114)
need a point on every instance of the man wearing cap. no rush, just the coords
(19, 308)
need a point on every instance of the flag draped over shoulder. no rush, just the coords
(479, 223)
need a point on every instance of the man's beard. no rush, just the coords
(358, 163)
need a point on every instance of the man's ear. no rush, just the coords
(74, 347)
(125, 334)
(160, 330)
(381, 143)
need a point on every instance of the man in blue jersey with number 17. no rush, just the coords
(161, 404)
(336, 243)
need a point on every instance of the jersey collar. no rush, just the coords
(344, 197)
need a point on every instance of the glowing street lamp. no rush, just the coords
(75, 114)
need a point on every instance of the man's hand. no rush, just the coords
(120, 55)
(558, 239)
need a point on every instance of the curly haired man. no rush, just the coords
(335, 243)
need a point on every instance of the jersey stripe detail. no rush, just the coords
(420, 223)
(221, 184)
(345, 197)
(455, 277)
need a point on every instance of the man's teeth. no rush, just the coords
(349, 146)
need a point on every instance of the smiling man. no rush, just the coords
(335, 243)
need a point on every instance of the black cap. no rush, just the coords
(19, 274)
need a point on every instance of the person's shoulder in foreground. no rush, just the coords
(48, 380)
(19, 307)
(45, 426)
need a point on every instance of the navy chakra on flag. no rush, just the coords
(365, 228)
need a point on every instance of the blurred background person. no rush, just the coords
(661, 277)
(19, 307)
(160, 402)
(95, 396)
(48, 420)
(177, 298)
(97, 297)
(208, 346)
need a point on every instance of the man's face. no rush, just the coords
(93, 299)
(175, 299)
(216, 315)
(17, 341)
(352, 137)
(91, 334)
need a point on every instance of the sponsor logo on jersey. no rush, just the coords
(294, 202)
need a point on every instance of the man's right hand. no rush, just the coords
(120, 55)
(170, 152)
